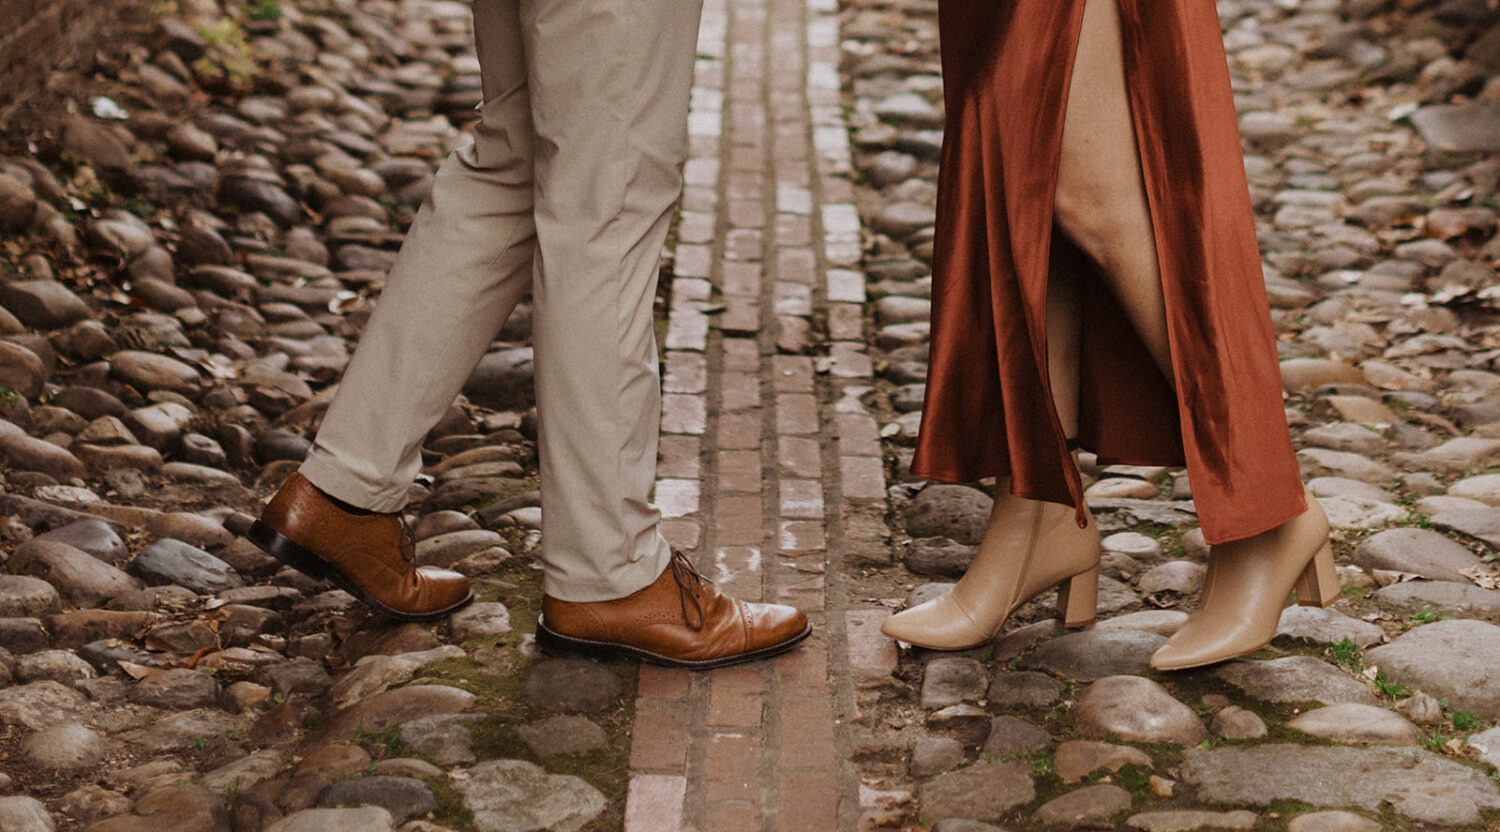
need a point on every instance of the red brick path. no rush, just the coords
(768, 487)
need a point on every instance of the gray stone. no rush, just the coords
(1161, 622)
(1138, 709)
(80, 578)
(952, 511)
(502, 380)
(1191, 820)
(1296, 679)
(1357, 725)
(950, 680)
(935, 755)
(1181, 576)
(1419, 785)
(1457, 660)
(237, 776)
(20, 813)
(1332, 822)
(1077, 759)
(268, 198)
(571, 686)
(1322, 462)
(57, 665)
(22, 596)
(563, 735)
(374, 674)
(1444, 597)
(983, 791)
(445, 739)
(964, 825)
(512, 795)
(379, 712)
(1084, 807)
(1314, 625)
(1010, 736)
(1460, 127)
(1236, 723)
(1417, 551)
(487, 618)
(150, 371)
(1453, 456)
(27, 453)
(39, 705)
(451, 547)
(404, 797)
(1095, 654)
(65, 747)
(169, 561)
(939, 557)
(42, 304)
(1487, 745)
(1480, 524)
(1025, 689)
(902, 219)
(362, 819)
(177, 689)
(93, 536)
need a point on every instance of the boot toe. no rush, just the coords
(443, 589)
(771, 625)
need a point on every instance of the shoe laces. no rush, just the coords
(689, 583)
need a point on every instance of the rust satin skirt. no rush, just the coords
(1006, 69)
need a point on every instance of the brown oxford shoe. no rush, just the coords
(368, 555)
(680, 620)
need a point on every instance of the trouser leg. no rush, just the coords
(466, 263)
(609, 83)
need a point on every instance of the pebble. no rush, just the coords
(935, 755)
(1011, 736)
(403, 797)
(952, 680)
(64, 747)
(1024, 689)
(1418, 785)
(1295, 679)
(512, 794)
(444, 739)
(361, 819)
(1084, 807)
(571, 686)
(1135, 708)
(481, 620)
(19, 813)
(1187, 820)
(1332, 822)
(1356, 724)
(169, 561)
(1313, 625)
(563, 735)
(952, 511)
(983, 791)
(80, 579)
(1455, 660)
(1421, 552)
(1236, 723)
(1076, 759)
(1094, 654)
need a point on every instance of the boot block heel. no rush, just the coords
(1318, 586)
(1078, 599)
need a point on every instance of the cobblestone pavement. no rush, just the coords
(195, 233)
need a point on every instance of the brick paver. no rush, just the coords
(767, 454)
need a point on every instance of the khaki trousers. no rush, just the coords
(567, 193)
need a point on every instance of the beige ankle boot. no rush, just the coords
(1246, 589)
(1031, 547)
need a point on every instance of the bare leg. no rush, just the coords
(1101, 198)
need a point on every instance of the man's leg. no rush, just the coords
(610, 81)
(465, 265)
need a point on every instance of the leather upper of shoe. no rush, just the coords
(1034, 547)
(681, 615)
(375, 551)
(1244, 592)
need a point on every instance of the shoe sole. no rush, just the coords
(305, 561)
(554, 643)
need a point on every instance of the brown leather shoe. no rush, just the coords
(368, 555)
(680, 620)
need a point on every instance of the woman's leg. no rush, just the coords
(1101, 198)
(1101, 205)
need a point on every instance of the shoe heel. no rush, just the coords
(1318, 586)
(274, 544)
(1078, 599)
